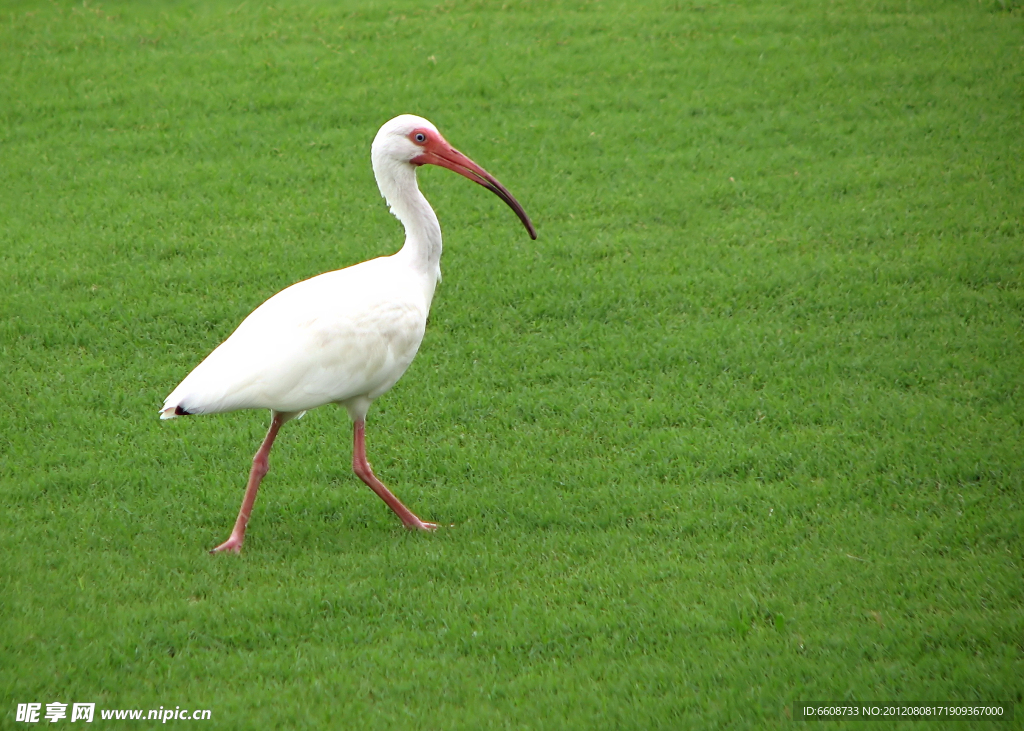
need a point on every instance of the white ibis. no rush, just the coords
(344, 337)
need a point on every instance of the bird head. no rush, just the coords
(414, 141)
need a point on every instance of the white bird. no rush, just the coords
(344, 337)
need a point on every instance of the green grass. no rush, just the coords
(744, 427)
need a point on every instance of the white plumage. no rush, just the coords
(343, 337)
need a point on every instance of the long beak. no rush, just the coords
(448, 157)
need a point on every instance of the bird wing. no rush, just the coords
(334, 337)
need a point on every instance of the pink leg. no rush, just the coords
(260, 466)
(362, 468)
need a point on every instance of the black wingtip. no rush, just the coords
(178, 411)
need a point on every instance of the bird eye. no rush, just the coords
(420, 137)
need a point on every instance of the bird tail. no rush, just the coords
(169, 412)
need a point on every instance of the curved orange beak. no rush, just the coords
(439, 152)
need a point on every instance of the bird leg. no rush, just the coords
(362, 468)
(260, 466)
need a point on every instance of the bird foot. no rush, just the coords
(421, 525)
(231, 545)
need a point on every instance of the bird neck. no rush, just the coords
(422, 249)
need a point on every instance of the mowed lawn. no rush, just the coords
(742, 429)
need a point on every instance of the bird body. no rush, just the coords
(343, 337)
